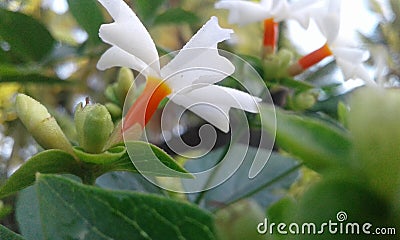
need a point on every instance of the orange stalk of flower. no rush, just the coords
(315, 57)
(147, 103)
(271, 30)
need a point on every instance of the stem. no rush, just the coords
(267, 184)
(89, 178)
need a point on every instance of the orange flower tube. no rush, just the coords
(147, 103)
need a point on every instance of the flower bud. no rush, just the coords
(114, 110)
(275, 66)
(124, 83)
(93, 125)
(304, 100)
(41, 124)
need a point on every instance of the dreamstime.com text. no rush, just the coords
(331, 227)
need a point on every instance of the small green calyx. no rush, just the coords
(41, 124)
(94, 126)
(275, 66)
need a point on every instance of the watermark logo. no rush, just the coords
(173, 119)
(339, 226)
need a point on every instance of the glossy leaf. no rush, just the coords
(70, 210)
(27, 214)
(319, 144)
(7, 234)
(239, 184)
(50, 161)
(151, 160)
(176, 16)
(27, 37)
(89, 17)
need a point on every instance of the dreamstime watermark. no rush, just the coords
(338, 226)
(245, 78)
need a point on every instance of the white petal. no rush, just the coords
(329, 26)
(223, 96)
(328, 20)
(354, 55)
(218, 116)
(128, 33)
(116, 57)
(199, 60)
(245, 12)
(351, 70)
(301, 11)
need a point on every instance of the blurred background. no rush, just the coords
(49, 50)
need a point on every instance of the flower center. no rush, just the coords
(147, 103)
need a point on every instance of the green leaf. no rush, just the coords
(69, 210)
(239, 184)
(154, 161)
(374, 125)
(295, 84)
(27, 38)
(50, 161)
(319, 144)
(107, 157)
(146, 9)
(176, 16)
(89, 17)
(7, 234)
(32, 78)
(27, 214)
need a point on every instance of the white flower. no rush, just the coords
(244, 12)
(349, 59)
(187, 79)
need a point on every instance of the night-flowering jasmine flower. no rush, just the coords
(187, 79)
(349, 59)
(271, 12)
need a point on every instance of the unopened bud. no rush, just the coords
(115, 111)
(41, 124)
(124, 83)
(94, 126)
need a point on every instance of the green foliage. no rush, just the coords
(104, 214)
(147, 9)
(373, 122)
(319, 144)
(90, 166)
(50, 161)
(87, 13)
(176, 16)
(147, 157)
(6, 234)
(16, 27)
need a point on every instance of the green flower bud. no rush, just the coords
(124, 83)
(41, 124)
(94, 126)
(304, 100)
(115, 111)
(275, 66)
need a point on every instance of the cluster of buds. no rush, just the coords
(325, 13)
